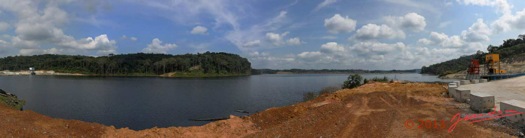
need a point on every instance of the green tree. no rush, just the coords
(352, 81)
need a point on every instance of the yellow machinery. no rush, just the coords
(493, 64)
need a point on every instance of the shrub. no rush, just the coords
(352, 81)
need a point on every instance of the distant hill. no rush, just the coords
(139, 64)
(512, 50)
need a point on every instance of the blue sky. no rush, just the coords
(279, 34)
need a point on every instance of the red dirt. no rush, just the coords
(372, 110)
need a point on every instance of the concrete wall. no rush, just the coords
(481, 102)
(462, 95)
(474, 81)
(514, 105)
(458, 83)
(465, 82)
(483, 81)
(452, 89)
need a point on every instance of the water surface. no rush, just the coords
(145, 102)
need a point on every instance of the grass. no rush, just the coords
(12, 101)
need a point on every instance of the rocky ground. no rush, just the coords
(372, 110)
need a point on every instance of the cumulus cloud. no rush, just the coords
(411, 21)
(156, 46)
(324, 4)
(332, 47)
(445, 41)
(199, 30)
(278, 39)
(508, 22)
(101, 43)
(294, 41)
(373, 31)
(478, 32)
(338, 24)
(38, 26)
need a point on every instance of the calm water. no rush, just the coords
(140, 103)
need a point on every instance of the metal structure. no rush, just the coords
(473, 71)
(32, 70)
(493, 64)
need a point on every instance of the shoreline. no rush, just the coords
(345, 113)
(172, 75)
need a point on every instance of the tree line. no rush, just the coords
(128, 64)
(509, 50)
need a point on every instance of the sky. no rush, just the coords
(276, 34)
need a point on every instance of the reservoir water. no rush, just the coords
(145, 102)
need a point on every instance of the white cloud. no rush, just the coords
(38, 27)
(129, 38)
(294, 41)
(424, 41)
(310, 55)
(445, 41)
(411, 21)
(251, 38)
(278, 39)
(373, 31)
(253, 43)
(502, 5)
(339, 24)
(508, 22)
(324, 4)
(478, 32)
(156, 46)
(332, 47)
(101, 42)
(199, 30)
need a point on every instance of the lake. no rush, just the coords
(145, 102)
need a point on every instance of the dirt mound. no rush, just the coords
(372, 110)
(376, 110)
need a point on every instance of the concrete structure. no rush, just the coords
(481, 102)
(474, 81)
(515, 105)
(483, 81)
(458, 83)
(462, 95)
(452, 89)
(465, 82)
(503, 90)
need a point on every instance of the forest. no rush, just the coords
(133, 64)
(510, 51)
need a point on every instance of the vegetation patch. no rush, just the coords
(11, 100)
(140, 64)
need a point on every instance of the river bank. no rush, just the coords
(38, 72)
(167, 75)
(376, 110)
